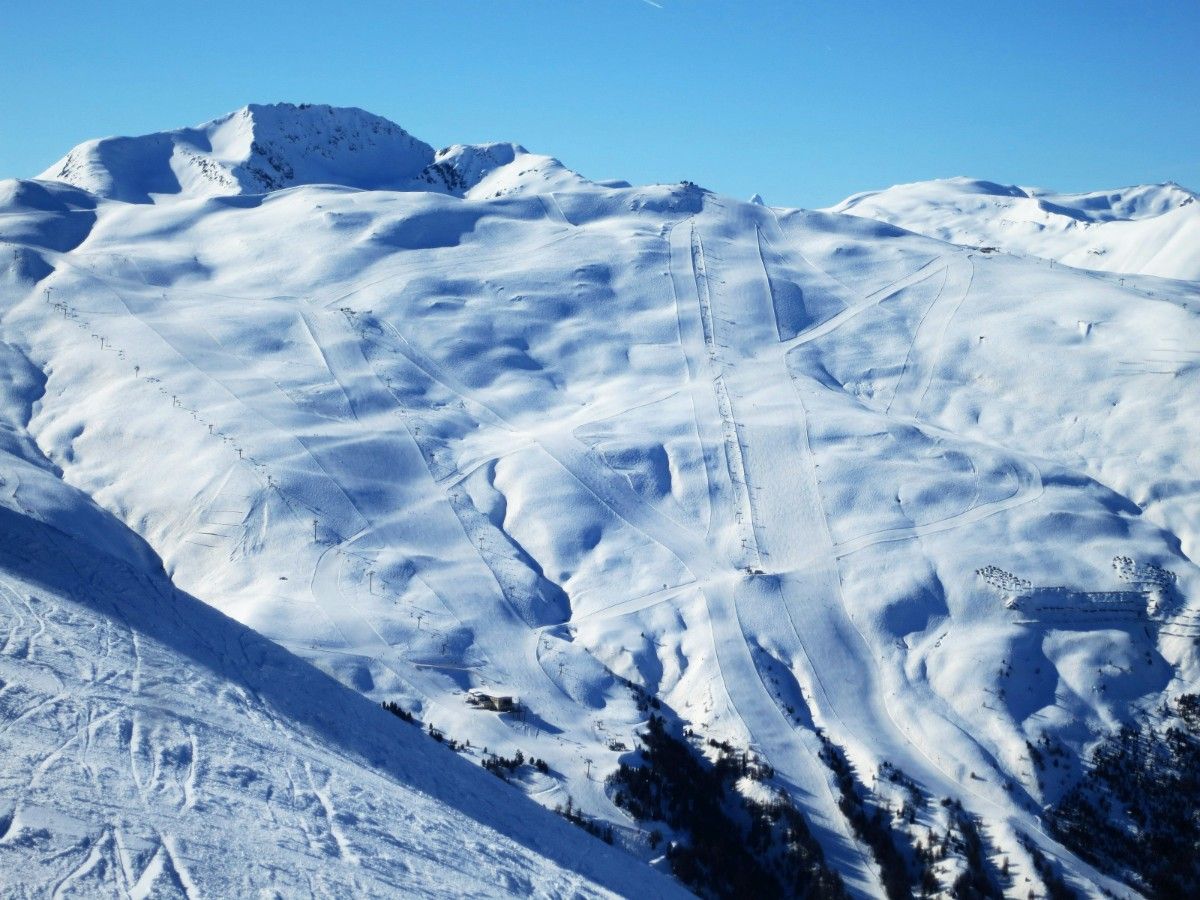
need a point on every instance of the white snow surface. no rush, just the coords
(520, 432)
(154, 747)
(1149, 229)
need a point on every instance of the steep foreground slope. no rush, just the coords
(1146, 229)
(897, 530)
(155, 748)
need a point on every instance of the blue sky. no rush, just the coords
(803, 102)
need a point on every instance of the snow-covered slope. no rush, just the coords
(1146, 229)
(796, 476)
(155, 748)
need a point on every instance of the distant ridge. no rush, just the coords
(1148, 229)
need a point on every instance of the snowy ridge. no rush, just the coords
(261, 148)
(482, 171)
(800, 477)
(255, 149)
(1145, 229)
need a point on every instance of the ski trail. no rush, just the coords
(606, 485)
(711, 562)
(636, 604)
(306, 321)
(920, 361)
(939, 342)
(810, 584)
(143, 887)
(874, 299)
(1029, 488)
(92, 862)
(174, 868)
(910, 365)
(325, 797)
(817, 280)
(553, 211)
(774, 734)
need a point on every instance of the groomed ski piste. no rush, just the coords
(467, 424)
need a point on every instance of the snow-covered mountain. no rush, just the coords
(885, 523)
(1147, 229)
(267, 148)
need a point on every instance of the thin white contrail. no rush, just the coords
(653, 3)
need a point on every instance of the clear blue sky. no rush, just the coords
(803, 102)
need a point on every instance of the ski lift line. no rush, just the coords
(700, 287)
(755, 518)
(175, 399)
(237, 399)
